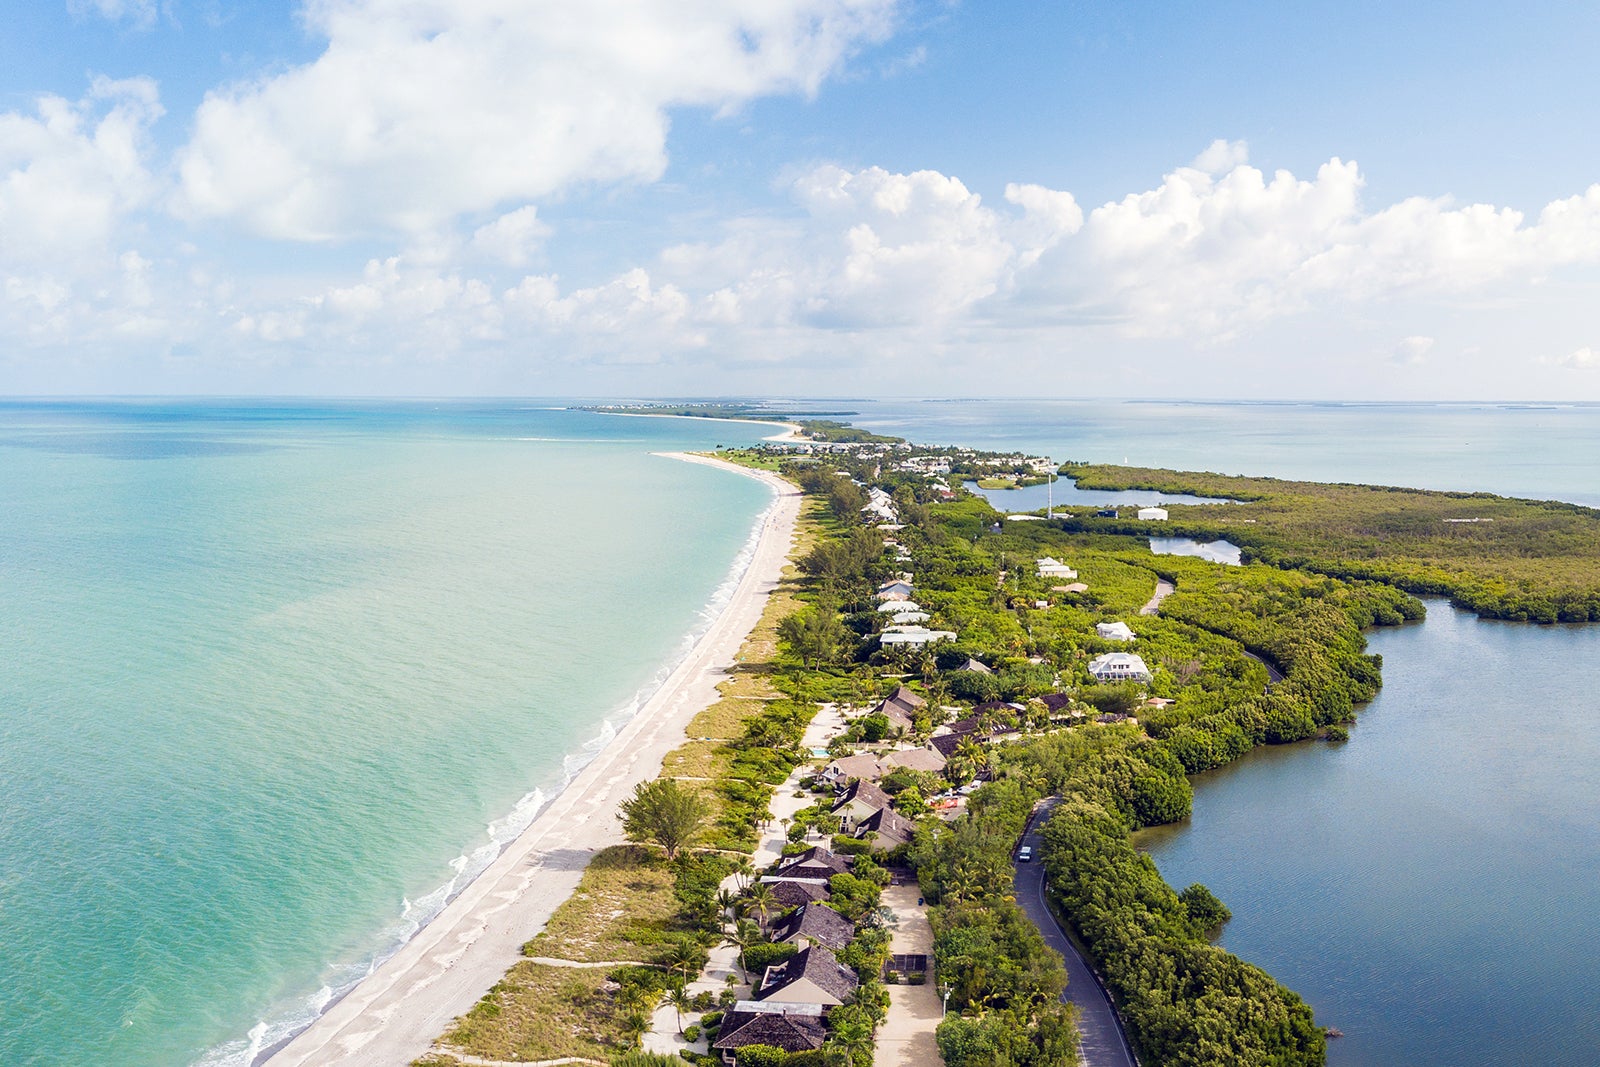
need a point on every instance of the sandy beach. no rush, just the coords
(395, 1014)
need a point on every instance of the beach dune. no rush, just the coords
(395, 1014)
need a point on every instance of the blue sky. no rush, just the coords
(800, 196)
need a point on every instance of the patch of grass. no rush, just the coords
(536, 1013)
(724, 720)
(623, 905)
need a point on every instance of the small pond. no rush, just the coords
(1067, 494)
(1216, 551)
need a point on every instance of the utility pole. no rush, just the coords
(944, 1007)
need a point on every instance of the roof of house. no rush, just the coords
(815, 858)
(794, 892)
(917, 759)
(899, 606)
(1117, 662)
(946, 744)
(790, 1031)
(819, 965)
(861, 765)
(1114, 631)
(975, 666)
(899, 706)
(863, 792)
(818, 922)
(1055, 701)
(891, 827)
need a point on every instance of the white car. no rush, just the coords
(1025, 854)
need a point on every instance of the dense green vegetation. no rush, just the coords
(1184, 1000)
(1535, 561)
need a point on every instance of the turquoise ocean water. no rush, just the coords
(276, 678)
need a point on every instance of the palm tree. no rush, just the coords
(727, 904)
(852, 1036)
(745, 933)
(679, 957)
(745, 872)
(681, 1000)
(761, 900)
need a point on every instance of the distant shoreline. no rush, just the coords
(397, 1012)
(792, 430)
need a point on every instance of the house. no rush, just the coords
(812, 976)
(1119, 666)
(1055, 703)
(814, 862)
(974, 666)
(898, 607)
(1153, 514)
(1050, 567)
(889, 827)
(916, 759)
(790, 1026)
(815, 924)
(797, 892)
(862, 765)
(1114, 631)
(859, 801)
(907, 618)
(900, 707)
(1106, 513)
(915, 635)
(895, 590)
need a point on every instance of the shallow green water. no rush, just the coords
(275, 679)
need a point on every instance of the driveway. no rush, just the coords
(905, 1039)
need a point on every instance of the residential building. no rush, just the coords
(812, 976)
(815, 924)
(1153, 514)
(1119, 666)
(1114, 631)
(792, 1027)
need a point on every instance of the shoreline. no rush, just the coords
(398, 1011)
(791, 434)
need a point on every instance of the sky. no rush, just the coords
(1353, 201)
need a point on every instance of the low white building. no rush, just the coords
(898, 607)
(1114, 631)
(900, 618)
(1050, 567)
(1119, 667)
(1153, 514)
(914, 635)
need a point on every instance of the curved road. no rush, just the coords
(1103, 1042)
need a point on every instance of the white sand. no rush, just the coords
(395, 1014)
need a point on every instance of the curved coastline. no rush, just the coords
(396, 1012)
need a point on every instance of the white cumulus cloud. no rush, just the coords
(421, 111)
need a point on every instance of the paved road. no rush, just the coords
(1104, 1044)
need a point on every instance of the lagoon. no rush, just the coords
(1432, 886)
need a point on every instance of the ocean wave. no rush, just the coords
(269, 1034)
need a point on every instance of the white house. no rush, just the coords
(1054, 568)
(895, 590)
(1114, 631)
(900, 618)
(1118, 667)
(898, 607)
(1153, 514)
(915, 635)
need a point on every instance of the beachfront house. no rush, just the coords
(812, 976)
(791, 1027)
(1050, 567)
(895, 590)
(1119, 667)
(887, 828)
(1114, 631)
(898, 607)
(796, 892)
(862, 765)
(857, 802)
(814, 924)
(915, 635)
(899, 707)
(1153, 514)
(814, 862)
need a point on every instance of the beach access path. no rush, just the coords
(395, 1014)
